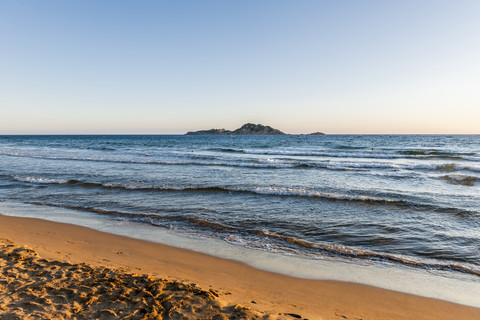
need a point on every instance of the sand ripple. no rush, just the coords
(36, 288)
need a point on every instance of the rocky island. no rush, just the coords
(246, 129)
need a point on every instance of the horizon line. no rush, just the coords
(284, 134)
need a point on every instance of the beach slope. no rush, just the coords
(63, 270)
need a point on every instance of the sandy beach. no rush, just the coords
(71, 272)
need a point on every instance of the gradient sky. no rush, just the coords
(170, 66)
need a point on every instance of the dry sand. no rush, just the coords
(54, 270)
(32, 287)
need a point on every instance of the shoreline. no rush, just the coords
(456, 288)
(272, 293)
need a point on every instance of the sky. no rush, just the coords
(167, 67)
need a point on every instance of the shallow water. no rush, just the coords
(402, 200)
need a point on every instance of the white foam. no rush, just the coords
(311, 193)
(39, 180)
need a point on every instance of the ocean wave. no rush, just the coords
(293, 192)
(232, 234)
(461, 179)
(337, 249)
(256, 163)
(199, 160)
(373, 154)
(40, 180)
(309, 152)
(364, 165)
(102, 148)
(348, 147)
(152, 219)
(243, 163)
(150, 160)
(265, 191)
(445, 167)
(433, 153)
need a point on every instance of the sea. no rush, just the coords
(386, 210)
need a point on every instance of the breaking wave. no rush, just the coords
(337, 249)
(266, 191)
(286, 164)
(227, 232)
(372, 154)
(37, 180)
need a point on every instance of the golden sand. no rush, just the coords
(61, 271)
(32, 287)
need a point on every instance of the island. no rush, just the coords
(246, 129)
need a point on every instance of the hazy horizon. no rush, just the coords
(121, 67)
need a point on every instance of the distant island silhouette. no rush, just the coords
(246, 129)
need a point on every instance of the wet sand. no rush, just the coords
(60, 270)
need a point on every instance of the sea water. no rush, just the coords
(406, 203)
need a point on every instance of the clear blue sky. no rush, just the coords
(300, 66)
